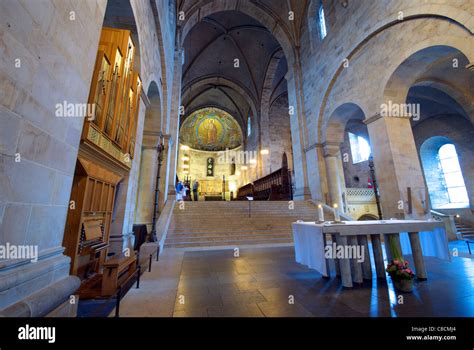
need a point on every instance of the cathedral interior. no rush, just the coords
(199, 158)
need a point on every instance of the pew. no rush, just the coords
(117, 271)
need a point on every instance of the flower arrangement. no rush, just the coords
(399, 270)
(400, 273)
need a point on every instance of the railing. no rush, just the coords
(449, 224)
(360, 195)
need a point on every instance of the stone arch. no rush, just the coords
(335, 124)
(266, 105)
(367, 217)
(414, 63)
(220, 81)
(461, 97)
(440, 12)
(147, 177)
(154, 113)
(428, 155)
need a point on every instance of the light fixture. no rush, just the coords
(185, 166)
(185, 159)
(264, 152)
(185, 148)
(244, 167)
(253, 161)
(185, 172)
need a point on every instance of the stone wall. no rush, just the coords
(280, 134)
(48, 53)
(459, 131)
(358, 170)
(375, 37)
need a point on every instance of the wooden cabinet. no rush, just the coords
(89, 217)
(105, 157)
(115, 93)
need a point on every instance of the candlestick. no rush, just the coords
(320, 213)
(337, 217)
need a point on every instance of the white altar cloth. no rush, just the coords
(309, 239)
(309, 246)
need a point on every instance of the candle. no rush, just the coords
(337, 218)
(320, 213)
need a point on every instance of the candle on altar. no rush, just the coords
(337, 217)
(320, 213)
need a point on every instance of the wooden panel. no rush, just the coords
(98, 195)
(93, 229)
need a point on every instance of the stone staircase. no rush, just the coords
(213, 224)
(466, 231)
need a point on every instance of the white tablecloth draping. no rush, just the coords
(309, 246)
(433, 243)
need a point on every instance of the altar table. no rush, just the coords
(310, 242)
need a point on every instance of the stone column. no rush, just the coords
(147, 180)
(298, 138)
(397, 167)
(172, 129)
(332, 158)
(163, 186)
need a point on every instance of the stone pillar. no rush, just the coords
(172, 129)
(298, 129)
(397, 167)
(163, 187)
(147, 180)
(332, 158)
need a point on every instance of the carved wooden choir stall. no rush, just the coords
(104, 160)
(275, 186)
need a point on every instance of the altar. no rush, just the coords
(417, 237)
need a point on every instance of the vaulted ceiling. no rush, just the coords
(230, 58)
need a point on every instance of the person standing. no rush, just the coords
(195, 190)
(179, 191)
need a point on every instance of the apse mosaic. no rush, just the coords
(211, 129)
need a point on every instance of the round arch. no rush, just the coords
(154, 113)
(413, 64)
(442, 13)
(335, 124)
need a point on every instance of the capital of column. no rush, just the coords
(331, 149)
(388, 114)
(151, 139)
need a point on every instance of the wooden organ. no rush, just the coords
(105, 155)
(115, 93)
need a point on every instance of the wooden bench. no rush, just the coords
(117, 271)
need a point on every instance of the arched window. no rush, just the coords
(249, 126)
(360, 148)
(453, 179)
(322, 22)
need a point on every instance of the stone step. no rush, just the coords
(202, 224)
(243, 231)
(238, 237)
(227, 243)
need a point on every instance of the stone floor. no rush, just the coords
(267, 282)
